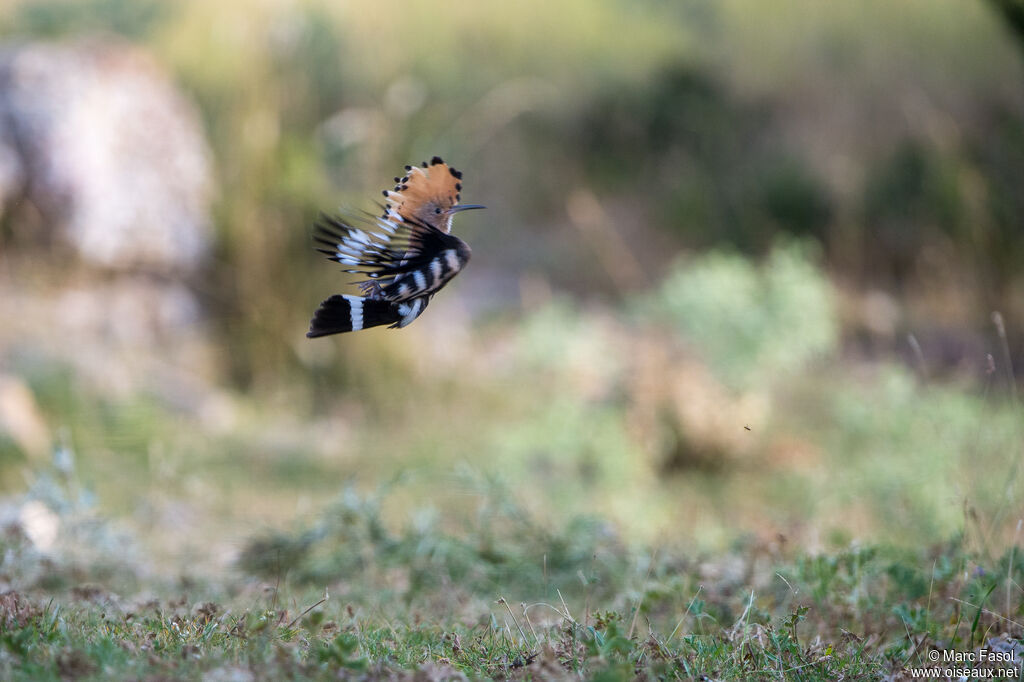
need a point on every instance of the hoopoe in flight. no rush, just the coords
(407, 254)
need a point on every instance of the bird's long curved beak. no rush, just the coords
(464, 207)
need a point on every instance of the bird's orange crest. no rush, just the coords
(425, 195)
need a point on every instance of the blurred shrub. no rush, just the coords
(752, 322)
(503, 549)
(584, 445)
(997, 156)
(910, 199)
(130, 18)
(794, 198)
(710, 161)
(60, 538)
(923, 198)
(1012, 12)
(924, 455)
(304, 54)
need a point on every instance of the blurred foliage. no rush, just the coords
(761, 163)
(1013, 14)
(881, 131)
(897, 428)
(135, 19)
(993, 179)
(61, 539)
(352, 542)
(581, 412)
(706, 156)
(910, 201)
(753, 324)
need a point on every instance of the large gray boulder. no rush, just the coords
(107, 151)
(105, 190)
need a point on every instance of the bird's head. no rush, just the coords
(428, 194)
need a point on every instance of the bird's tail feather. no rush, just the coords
(340, 314)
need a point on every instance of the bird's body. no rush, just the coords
(407, 253)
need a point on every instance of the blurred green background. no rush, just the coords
(735, 280)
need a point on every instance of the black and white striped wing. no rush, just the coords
(402, 260)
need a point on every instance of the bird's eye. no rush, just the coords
(437, 211)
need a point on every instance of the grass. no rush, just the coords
(504, 596)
